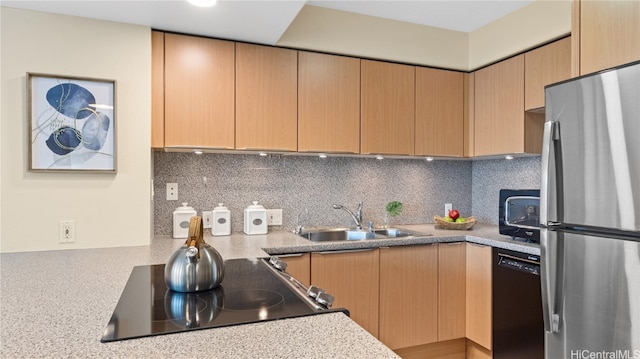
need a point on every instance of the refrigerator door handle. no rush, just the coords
(551, 270)
(548, 141)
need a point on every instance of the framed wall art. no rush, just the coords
(71, 124)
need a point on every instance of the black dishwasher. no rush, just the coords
(518, 328)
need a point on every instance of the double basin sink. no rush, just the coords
(342, 234)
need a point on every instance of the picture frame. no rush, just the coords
(72, 124)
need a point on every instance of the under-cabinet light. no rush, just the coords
(202, 3)
(322, 155)
(197, 152)
(263, 154)
(379, 157)
(429, 159)
(508, 157)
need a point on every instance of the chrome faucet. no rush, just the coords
(299, 228)
(357, 217)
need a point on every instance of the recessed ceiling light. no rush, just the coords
(202, 3)
(508, 157)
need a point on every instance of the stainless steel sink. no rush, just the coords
(339, 234)
(396, 233)
(343, 234)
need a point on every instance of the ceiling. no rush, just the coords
(265, 21)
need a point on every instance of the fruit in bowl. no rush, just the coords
(454, 221)
(454, 216)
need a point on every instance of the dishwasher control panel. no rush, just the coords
(519, 264)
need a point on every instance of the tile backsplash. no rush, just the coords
(489, 176)
(308, 186)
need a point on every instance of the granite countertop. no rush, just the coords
(284, 242)
(58, 303)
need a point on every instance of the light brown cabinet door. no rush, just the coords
(352, 277)
(266, 98)
(157, 89)
(199, 92)
(387, 100)
(609, 33)
(439, 112)
(543, 66)
(451, 290)
(478, 294)
(499, 108)
(328, 103)
(299, 266)
(408, 295)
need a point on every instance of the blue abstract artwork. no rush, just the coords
(71, 124)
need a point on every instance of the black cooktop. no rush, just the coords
(250, 292)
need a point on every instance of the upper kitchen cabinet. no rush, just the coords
(439, 110)
(198, 92)
(328, 103)
(543, 66)
(500, 124)
(266, 98)
(387, 103)
(157, 89)
(604, 34)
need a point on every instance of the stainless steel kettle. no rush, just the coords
(196, 266)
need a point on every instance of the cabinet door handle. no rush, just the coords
(347, 251)
(289, 255)
(329, 152)
(191, 147)
(265, 149)
(476, 244)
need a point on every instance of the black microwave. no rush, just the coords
(519, 213)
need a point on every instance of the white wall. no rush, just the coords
(339, 32)
(535, 24)
(109, 209)
(322, 29)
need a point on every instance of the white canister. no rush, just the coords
(255, 219)
(181, 218)
(221, 221)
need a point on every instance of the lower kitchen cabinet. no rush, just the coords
(353, 278)
(478, 295)
(299, 266)
(451, 290)
(408, 295)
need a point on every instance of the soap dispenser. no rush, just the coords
(221, 221)
(255, 219)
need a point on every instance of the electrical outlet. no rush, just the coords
(447, 208)
(207, 219)
(67, 232)
(274, 217)
(172, 191)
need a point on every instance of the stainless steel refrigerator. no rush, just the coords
(590, 216)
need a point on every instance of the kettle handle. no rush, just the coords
(195, 237)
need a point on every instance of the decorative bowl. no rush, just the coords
(441, 223)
